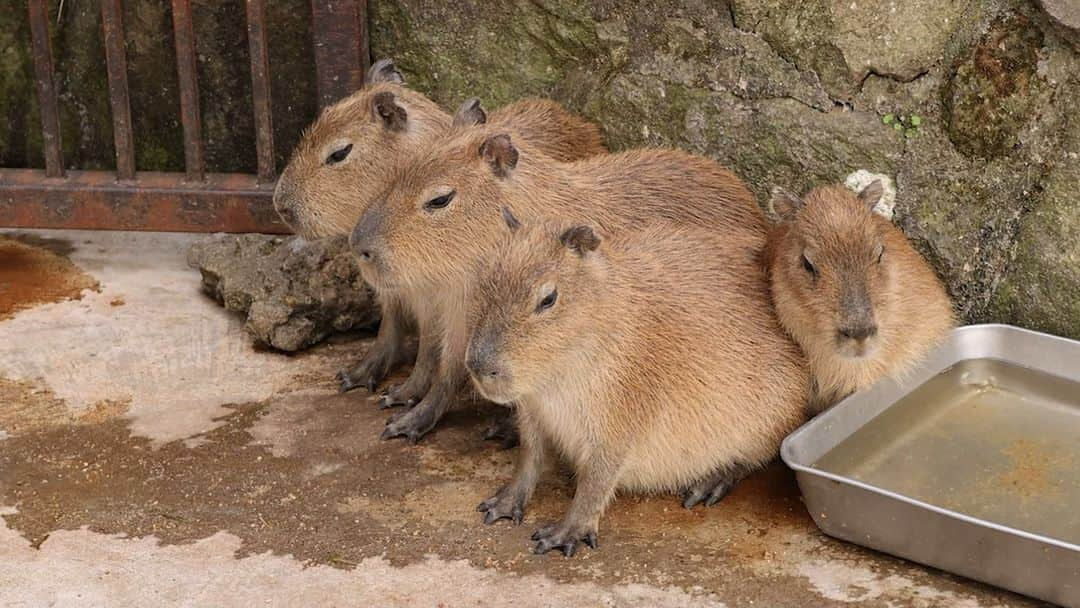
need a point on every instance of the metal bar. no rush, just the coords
(184, 35)
(46, 87)
(260, 88)
(341, 47)
(112, 25)
(152, 201)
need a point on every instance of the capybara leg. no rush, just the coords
(429, 351)
(386, 353)
(410, 392)
(414, 423)
(510, 501)
(595, 488)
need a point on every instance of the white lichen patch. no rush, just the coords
(863, 178)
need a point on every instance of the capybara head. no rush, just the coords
(441, 213)
(832, 267)
(346, 157)
(534, 305)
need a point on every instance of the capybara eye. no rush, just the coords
(808, 267)
(339, 155)
(548, 301)
(881, 253)
(439, 201)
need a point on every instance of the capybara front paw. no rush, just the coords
(564, 537)
(507, 503)
(399, 394)
(372, 369)
(710, 490)
(411, 424)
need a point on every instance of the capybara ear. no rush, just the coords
(383, 70)
(580, 239)
(871, 194)
(389, 112)
(511, 222)
(470, 113)
(499, 152)
(784, 204)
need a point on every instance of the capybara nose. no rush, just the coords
(859, 333)
(361, 245)
(481, 363)
(481, 369)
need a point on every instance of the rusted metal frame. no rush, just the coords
(184, 36)
(341, 47)
(46, 87)
(153, 201)
(260, 88)
(112, 26)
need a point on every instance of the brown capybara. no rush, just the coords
(650, 360)
(851, 290)
(345, 160)
(441, 218)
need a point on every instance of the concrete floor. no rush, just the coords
(150, 456)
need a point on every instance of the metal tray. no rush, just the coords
(971, 463)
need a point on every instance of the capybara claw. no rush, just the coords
(564, 537)
(505, 504)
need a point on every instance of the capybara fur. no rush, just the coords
(851, 290)
(346, 159)
(442, 217)
(649, 360)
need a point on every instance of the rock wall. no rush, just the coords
(967, 104)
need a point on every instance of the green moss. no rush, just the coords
(993, 93)
(18, 113)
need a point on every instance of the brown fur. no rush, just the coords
(320, 200)
(432, 253)
(658, 364)
(898, 297)
(386, 123)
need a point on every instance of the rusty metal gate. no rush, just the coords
(193, 201)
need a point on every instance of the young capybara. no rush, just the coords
(650, 360)
(345, 160)
(851, 290)
(441, 218)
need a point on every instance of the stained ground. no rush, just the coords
(35, 271)
(301, 472)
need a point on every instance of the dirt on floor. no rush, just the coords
(27, 407)
(306, 475)
(36, 271)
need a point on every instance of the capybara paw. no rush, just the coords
(507, 503)
(563, 536)
(709, 491)
(410, 424)
(399, 394)
(346, 381)
(503, 429)
(372, 369)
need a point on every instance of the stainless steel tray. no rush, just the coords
(971, 463)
